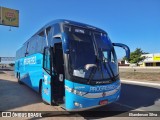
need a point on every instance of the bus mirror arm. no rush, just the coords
(125, 47)
(26, 53)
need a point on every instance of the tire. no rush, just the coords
(40, 90)
(18, 77)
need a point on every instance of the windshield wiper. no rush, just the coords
(113, 77)
(93, 71)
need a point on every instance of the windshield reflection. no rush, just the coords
(91, 54)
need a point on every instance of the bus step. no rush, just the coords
(60, 101)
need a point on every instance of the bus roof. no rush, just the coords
(73, 23)
(67, 22)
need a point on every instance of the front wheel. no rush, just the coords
(41, 92)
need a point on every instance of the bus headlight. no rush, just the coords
(77, 104)
(75, 91)
(78, 92)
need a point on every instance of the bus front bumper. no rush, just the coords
(79, 103)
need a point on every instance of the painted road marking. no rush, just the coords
(142, 83)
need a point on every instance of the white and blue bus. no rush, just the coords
(71, 64)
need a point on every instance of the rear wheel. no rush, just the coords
(18, 77)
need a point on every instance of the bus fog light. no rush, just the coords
(80, 105)
(76, 104)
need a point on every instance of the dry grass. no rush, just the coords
(140, 76)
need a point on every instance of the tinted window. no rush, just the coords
(56, 29)
(32, 46)
(47, 60)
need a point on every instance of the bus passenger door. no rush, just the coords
(46, 82)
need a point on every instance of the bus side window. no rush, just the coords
(46, 63)
(105, 53)
(111, 57)
(41, 42)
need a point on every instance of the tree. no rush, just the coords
(136, 56)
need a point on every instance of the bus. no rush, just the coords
(71, 64)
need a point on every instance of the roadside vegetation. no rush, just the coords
(136, 56)
(140, 74)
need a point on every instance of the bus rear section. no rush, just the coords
(77, 70)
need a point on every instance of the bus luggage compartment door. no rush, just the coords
(46, 88)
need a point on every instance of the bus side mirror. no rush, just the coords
(124, 47)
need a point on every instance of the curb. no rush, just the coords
(140, 83)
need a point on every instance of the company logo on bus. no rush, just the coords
(31, 60)
(102, 88)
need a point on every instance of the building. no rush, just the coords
(4, 65)
(151, 60)
(6, 61)
(123, 62)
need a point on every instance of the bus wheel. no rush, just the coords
(18, 77)
(41, 88)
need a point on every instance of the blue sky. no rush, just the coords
(132, 22)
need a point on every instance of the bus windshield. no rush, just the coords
(91, 54)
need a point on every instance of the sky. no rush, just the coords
(135, 23)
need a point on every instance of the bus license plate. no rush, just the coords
(103, 102)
